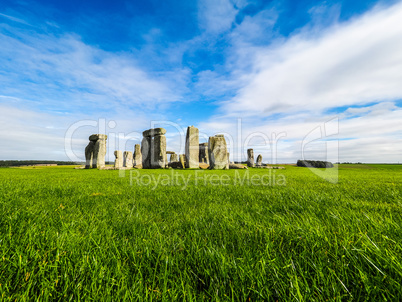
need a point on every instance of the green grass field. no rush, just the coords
(69, 234)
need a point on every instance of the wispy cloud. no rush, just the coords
(65, 73)
(356, 62)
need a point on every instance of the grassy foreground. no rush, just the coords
(87, 235)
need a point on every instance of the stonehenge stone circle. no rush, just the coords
(203, 155)
(95, 152)
(259, 160)
(118, 162)
(217, 151)
(153, 149)
(192, 148)
(137, 158)
(127, 159)
(250, 158)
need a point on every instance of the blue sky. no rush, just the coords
(269, 68)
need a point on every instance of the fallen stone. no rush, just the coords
(237, 166)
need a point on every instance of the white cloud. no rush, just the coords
(216, 16)
(64, 73)
(350, 63)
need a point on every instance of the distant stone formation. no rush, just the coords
(95, 152)
(170, 152)
(127, 159)
(250, 158)
(192, 148)
(153, 149)
(118, 162)
(259, 160)
(203, 155)
(137, 158)
(174, 158)
(217, 151)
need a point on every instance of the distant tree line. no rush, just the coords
(16, 163)
(314, 164)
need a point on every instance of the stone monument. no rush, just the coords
(95, 152)
(217, 151)
(127, 159)
(250, 158)
(153, 149)
(192, 148)
(259, 160)
(118, 162)
(137, 158)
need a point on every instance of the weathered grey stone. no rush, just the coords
(127, 159)
(192, 148)
(154, 132)
(217, 151)
(146, 152)
(99, 152)
(158, 151)
(95, 137)
(203, 155)
(250, 158)
(89, 154)
(237, 166)
(259, 160)
(174, 158)
(137, 157)
(153, 149)
(118, 162)
(182, 159)
(95, 151)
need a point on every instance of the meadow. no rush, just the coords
(98, 235)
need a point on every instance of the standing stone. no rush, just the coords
(182, 159)
(192, 148)
(118, 162)
(153, 149)
(95, 152)
(89, 153)
(174, 158)
(259, 160)
(217, 150)
(203, 157)
(137, 159)
(146, 152)
(159, 158)
(250, 158)
(127, 159)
